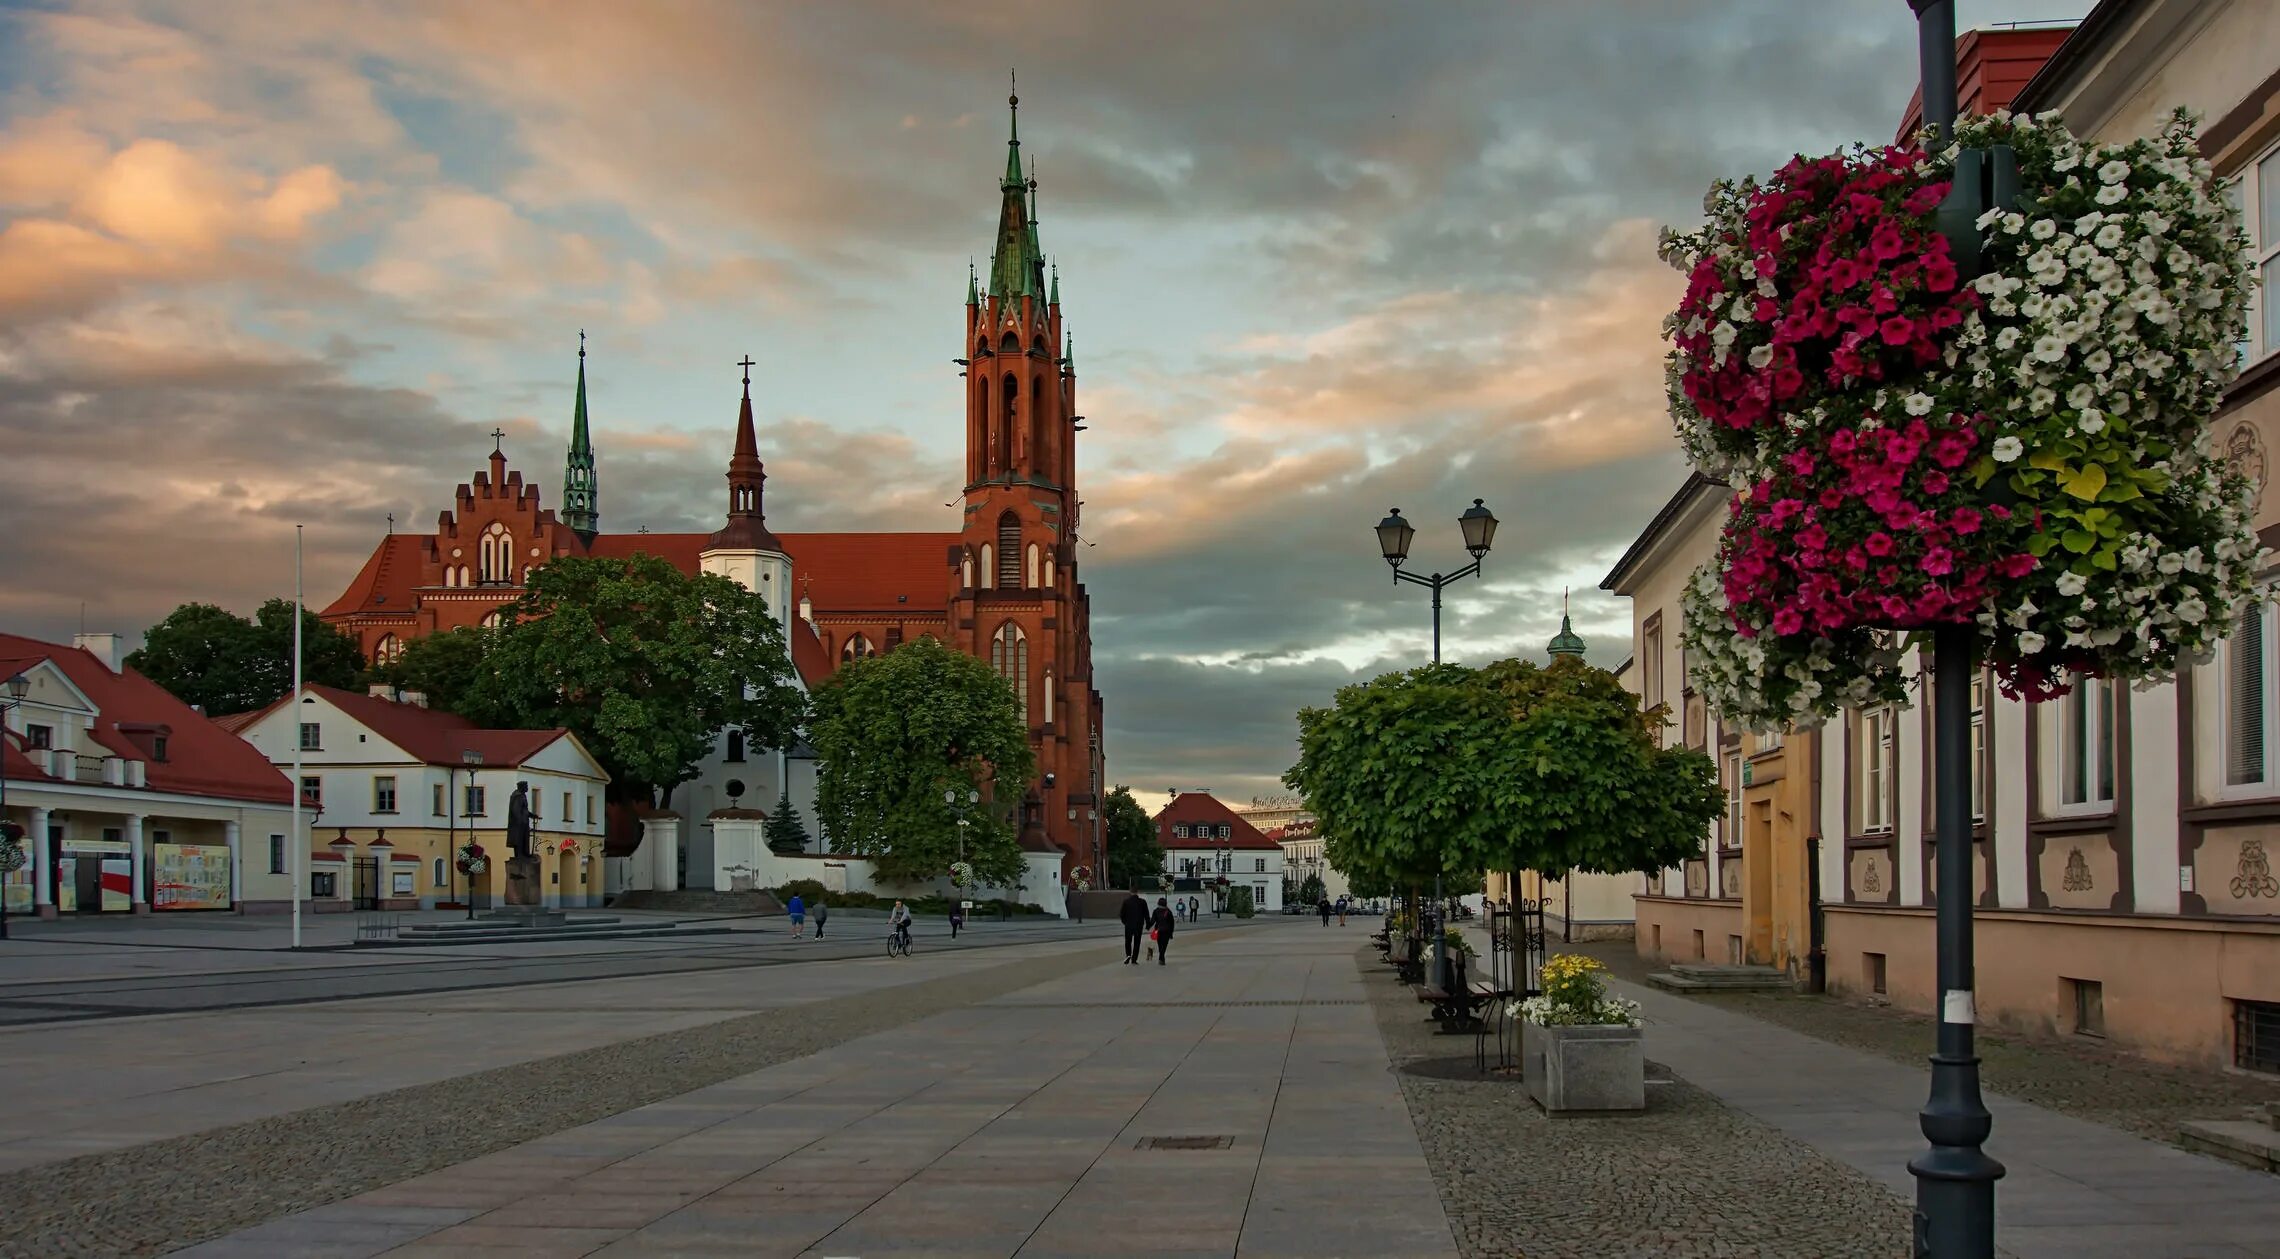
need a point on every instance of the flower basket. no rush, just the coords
(961, 874)
(1582, 1049)
(12, 854)
(2025, 454)
(471, 859)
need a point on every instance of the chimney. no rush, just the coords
(417, 699)
(104, 647)
(380, 690)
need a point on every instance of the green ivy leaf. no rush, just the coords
(2079, 541)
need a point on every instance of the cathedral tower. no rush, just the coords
(743, 550)
(581, 486)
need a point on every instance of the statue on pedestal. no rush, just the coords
(518, 820)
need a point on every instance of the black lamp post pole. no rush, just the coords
(1955, 1178)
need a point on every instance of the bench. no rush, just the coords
(1458, 1007)
(1408, 959)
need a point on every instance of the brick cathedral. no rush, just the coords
(1002, 586)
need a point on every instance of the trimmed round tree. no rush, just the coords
(892, 733)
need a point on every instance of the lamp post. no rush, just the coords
(1955, 1178)
(473, 760)
(950, 797)
(17, 687)
(1394, 534)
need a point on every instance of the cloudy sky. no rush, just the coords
(267, 263)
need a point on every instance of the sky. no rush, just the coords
(266, 264)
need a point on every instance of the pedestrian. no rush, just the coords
(822, 915)
(798, 910)
(1134, 914)
(1195, 906)
(1166, 920)
(1076, 904)
(1341, 912)
(957, 917)
(1322, 907)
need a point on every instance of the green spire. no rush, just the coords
(973, 286)
(1567, 642)
(581, 488)
(1016, 267)
(1056, 298)
(1069, 356)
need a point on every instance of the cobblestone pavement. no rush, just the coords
(163, 1195)
(2075, 1076)
(1687, 1178)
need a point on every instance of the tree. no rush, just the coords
(445, 667)
(786, 833)
(1310, 891)
(892, 734)
(644, 663)
(1134, 856)
(223, 663)
(1451, 771)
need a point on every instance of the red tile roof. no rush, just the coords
(1991, 66)
(432, 735)
(202, 758)
(1193, 807)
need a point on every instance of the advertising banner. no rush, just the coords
(190, 876)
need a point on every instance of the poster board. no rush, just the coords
(190, 876)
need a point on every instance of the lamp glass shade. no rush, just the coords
(1479, 524)
(18, 686)
(1394, 534)
(950, 797)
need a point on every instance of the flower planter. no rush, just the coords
(1586, 1069)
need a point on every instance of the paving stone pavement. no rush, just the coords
(1019, 1124)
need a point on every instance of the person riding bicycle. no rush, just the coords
(899, 921)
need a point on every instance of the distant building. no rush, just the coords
(1205, 841)
(130, 799)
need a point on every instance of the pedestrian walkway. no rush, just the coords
(1235, 1101)
(2074, 1189)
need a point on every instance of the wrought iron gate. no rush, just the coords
(1516, 973)
(364, 884)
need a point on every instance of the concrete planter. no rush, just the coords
(1591, 1069)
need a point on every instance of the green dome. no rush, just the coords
(1567, 642)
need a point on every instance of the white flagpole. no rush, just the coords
(300, 841)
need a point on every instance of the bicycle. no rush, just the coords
(898, 943)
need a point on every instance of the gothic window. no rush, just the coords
(497, 555)
(1048, 697)
(1010, 343)
(1049, 583)
(1009, 550)
(450, 575)
(495, 618)
(1005, 423)
(989, 575)
(735, 753)
(966, 571)
(856, 647)
(1030, 568)
(387, 649)
(1009, 655)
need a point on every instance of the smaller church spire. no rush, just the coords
(1055, 299)
(747, 527)
(1069, 356)
(581, 486)
(1013, 137)
(973, 285)
(1567, 642)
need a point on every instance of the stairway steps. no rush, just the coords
(700, 901)
(415, 937)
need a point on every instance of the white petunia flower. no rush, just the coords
(2091, 421)
(2080, 396)
(1761, 357)
(2114, 172)
(2007, 449)
(2043, 229)
(2112, 194)
(2071, 584)
(2031, 643)
(1918, 403)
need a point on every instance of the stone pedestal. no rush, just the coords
(523, 885)
(1584, 1070)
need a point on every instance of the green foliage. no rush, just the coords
(224, 663)
(1134, 856)
(810, 891)
(1453, 771)
(785, 832)
(1310, 891)
(445, 667)
(892, 733)
(645, 663)
(1239, 902)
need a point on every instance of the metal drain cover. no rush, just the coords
(1185, 1143)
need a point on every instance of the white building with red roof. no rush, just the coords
(1209, 848)
(130, 799)
(395, 787)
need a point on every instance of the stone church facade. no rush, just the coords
(1002, 586)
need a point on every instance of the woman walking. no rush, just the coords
(1165, 921)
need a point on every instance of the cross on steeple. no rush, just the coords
(498, 440)
(391, 522)
(746, 364)
(581, 343)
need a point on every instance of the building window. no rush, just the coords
(1733, 836)
(1009, 551)
(2245, 679)
(495, 618)
(1978, 750)
(321, 884)
(438, 800)
(735, 745)
(1261, 867)
(589, 809)
(2086, 744)
(384, 794)
(158, 747)
(989, 571)
(2256, 195)
(1651, 661)
(312, 737)
(1030, 567)
(2089, 1007)
(387, 649)
(313, 792)
(1009, 655)
(1874, 971)
(39, 738)
(277, 854)
(2256, 1035)
(1874, 788)
(1179, 832)
(436, 877)
(856, 647)
(474, 801)
(567, 813)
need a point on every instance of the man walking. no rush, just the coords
(1133, 913)
(822, 916)
(797, 909)
(1321, 907)
(1165, 921)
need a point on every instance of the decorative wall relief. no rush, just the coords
(2246, 449)
(2077, 872)
(1871, 880)
(2232, 869)
(1870, 872)
(1730, 878)
(2252, 877)
(1697, 878)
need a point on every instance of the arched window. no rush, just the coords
(856, 647)
(438, 877)
(1009, 550)
(985, 455)
(497, 555)
(966, 571)
(387, 649)
(1010, 343)
(1048, 697)
(1049, 583)
(450, 575)
(495, 618)
(1038, 344)
(989, 575)
(1009, 655)
(1007, 454)
(1029, 569)
(735, 745)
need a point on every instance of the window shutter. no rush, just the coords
(2244, 699)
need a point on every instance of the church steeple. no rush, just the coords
(1567, 642)
(1017, 267)
(581, 486)
(747, 527)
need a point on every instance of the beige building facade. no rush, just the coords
(2124, 841)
